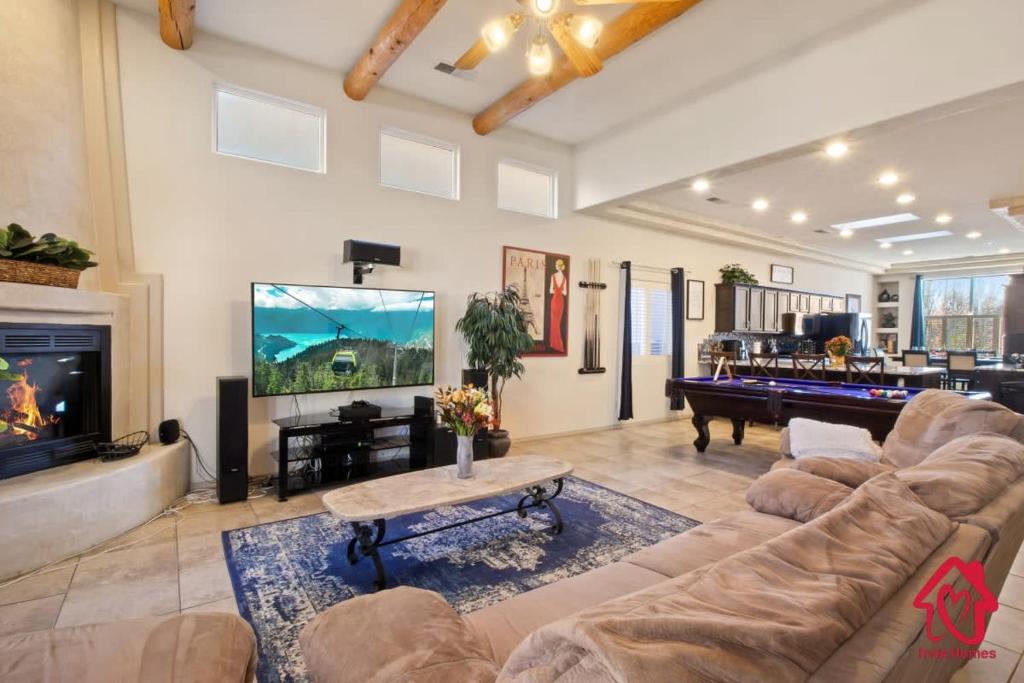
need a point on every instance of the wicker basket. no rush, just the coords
(38, 274)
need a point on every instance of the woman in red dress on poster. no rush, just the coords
(559, 291)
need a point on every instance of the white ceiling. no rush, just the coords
(953, 162)
(713, 45)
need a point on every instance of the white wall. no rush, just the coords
(932, 52)
(212, 224)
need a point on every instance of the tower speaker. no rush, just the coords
(232, 439)
(478, 378)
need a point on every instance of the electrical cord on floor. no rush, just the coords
(200, 465)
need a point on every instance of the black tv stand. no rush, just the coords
(337, 448)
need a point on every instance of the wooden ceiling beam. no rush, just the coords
(176, 19)
(582, 58)
(631, 26)
(411, 17)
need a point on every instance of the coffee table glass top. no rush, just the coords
(422, 490)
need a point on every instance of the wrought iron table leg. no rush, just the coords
(367, 544)
(539, 498)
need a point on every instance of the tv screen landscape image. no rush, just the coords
(308, 339)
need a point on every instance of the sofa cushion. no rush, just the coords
(409, 634)
(933, 418)
(797, 495)
(851, 473)
(775, 612)
(966, 474)
(709, 543)
(503, 625)
(191, 648)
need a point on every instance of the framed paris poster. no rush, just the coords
(543, 283)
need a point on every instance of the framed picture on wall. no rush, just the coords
(853, 303)
(694, 299)
(782, 274)
(543, 282)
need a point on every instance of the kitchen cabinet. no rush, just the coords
(751, 308)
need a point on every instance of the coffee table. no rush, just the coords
(368, 505)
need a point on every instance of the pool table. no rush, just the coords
(759, 399)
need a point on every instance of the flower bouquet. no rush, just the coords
(838, 348)
(466, 410)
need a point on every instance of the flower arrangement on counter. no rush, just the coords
(465, 410)
(839, 347)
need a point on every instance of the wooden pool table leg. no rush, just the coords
(700, 422)
(738, 429)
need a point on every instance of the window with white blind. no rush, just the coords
(651, 317)
(419, 164)
(260, 127)
(527, 189)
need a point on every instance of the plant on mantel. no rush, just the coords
(44, 260)
(735, 274)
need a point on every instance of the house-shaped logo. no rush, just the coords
(961, 612)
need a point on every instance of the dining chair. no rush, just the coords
(730, 362)
(766, 364)
(809, 366)
(960, 370)
(915, 358)
(865, 369)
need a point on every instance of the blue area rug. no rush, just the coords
(284, 573)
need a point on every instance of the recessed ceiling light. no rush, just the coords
(759, 204)
(886, 245)
(905, 198)
(913, 237)
(837, 149)
(908, 252)
(973, 235)
(876, 222)
(798, 217)
(700, 185)
(943, 218)
(846, 233)
(888, 178)
(1004, 250)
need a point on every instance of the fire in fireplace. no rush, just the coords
(54, 395)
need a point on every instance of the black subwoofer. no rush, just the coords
(232, 439)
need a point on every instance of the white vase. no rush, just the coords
(464, 456)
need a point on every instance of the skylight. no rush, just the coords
(916, 236)
(877, 222)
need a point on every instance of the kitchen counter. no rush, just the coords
(894, 375)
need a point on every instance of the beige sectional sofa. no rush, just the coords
(186, 648)
(817, 585)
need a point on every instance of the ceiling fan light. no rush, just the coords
(538, 57)
(498, 33)
(544, 8)
(586, 30)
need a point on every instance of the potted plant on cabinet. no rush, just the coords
(495, 329)
(46, 260)
(735, 274)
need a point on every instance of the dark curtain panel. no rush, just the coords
(917, 340)
(678, 331)
(626, 381)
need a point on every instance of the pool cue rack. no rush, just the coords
(592, 319)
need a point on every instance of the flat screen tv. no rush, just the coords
(309, 339)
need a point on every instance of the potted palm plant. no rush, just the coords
(494, 327)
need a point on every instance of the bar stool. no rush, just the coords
(809, 366)
(960, 370)
(730, 361)
(859, 369)
(764, 364)
(1012, 395)
(915, 358)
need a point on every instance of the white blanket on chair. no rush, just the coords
(814, 439)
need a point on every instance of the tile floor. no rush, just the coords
(177, 564)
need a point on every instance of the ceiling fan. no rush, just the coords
(576, 35)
